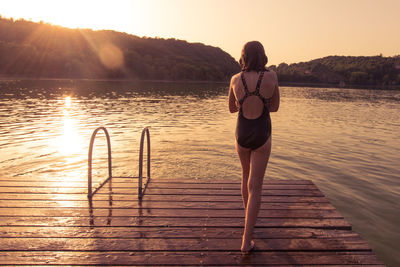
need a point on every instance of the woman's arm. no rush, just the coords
(275, 100)
(233, 107)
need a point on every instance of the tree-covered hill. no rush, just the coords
(341, 70)
(40, 50)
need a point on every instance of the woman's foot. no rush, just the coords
(248, 249)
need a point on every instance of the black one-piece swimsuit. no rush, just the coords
(253, 133)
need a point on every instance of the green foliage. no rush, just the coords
(29, 49)
(375, 70)
(36, 50)
(358, 77)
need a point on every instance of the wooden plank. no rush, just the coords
(181, 244)
(168, 232)
(172, 222)
(163, 191)
(67, 185)
(231, 258)
(160, 180)
(105, 204)
(182, 213)
(166, 198)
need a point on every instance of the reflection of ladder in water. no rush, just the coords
(141, 189)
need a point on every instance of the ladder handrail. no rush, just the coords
(90, 193)
(140, 190)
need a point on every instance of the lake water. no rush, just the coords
(347, 141)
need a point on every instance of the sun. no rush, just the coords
(96, 15)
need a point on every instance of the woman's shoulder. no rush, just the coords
(235, 77)
(272, 74)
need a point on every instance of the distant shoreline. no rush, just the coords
(286, 84)
(349, 86)
(106, 80)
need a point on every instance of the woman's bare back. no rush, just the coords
(253, 106)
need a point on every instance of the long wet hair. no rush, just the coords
(253, 57)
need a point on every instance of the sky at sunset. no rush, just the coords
(290, 30)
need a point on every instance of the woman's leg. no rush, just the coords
(258, 164)
(244, 156)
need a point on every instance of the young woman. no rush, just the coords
(254, 92)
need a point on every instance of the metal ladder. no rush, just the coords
(141, 189)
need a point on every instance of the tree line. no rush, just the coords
(42, 50)
(343, 70)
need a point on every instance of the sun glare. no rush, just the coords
(68, 101)
(69, 142)
(96, 15)
(76, 14)
(111, 56)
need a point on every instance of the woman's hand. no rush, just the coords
(273, 105)
(233, 104)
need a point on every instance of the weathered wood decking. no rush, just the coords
(178, 222)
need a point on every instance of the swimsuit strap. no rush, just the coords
(259, 83)
(257, 91)
(244, 83)
(246, 90)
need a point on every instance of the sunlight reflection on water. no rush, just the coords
(346, 141)
(69, 143)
